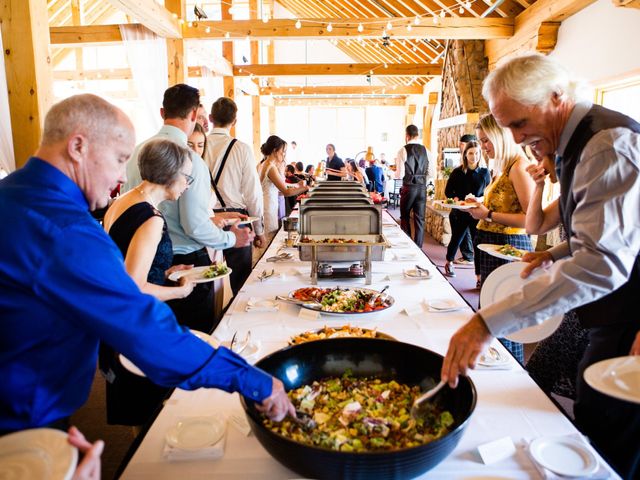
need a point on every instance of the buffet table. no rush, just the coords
(509, 403)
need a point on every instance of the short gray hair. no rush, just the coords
(160, 161)
(87, 114)
(530, 79)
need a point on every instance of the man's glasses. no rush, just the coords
(188, 178)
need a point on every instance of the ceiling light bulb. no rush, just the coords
(386, 65)
(190, 24)
(329, 28)
(370, 72)
(435, 19)
(207, 30)
(265, 18)
(389, 26)
(227, 35)
(461, 10)
(360, 27)
(417, 20)
(298, 24)
(443, 14)
(415, 49)
(409, 28)
(174, 15)
(468, 5)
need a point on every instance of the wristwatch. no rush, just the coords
(489, 215)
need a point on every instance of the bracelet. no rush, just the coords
(489, 215)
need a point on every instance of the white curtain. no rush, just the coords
(7, 159)
(147, 55)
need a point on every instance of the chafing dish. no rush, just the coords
(339, 193)
(336, 201)
(361, 224)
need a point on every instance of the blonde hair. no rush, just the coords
(505, 148)
(531, 79)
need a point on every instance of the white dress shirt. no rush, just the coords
(188, 220)
(239, 184)
(606, 239)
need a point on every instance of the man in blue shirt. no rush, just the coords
(64, 286)
(376, 176)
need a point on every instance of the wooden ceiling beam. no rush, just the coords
(447, 28)
(77, 35)
(307, 69)
(341, 90)
(152, 15)
(626, 3)
(339, 102)
(536, 28)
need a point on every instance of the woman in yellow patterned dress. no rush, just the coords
(502, 213)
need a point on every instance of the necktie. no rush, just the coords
(558, 162)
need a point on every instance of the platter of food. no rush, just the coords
(331, 240)
(326, 332)
(457, 204)
(342, 301)
(505, 252)
(202, 274)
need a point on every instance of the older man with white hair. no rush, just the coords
(597, 271)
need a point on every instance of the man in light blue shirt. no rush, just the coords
(188, 220)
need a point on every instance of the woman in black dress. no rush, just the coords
(138, 228)
(468, 179)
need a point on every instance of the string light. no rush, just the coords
(207, 30)
(265, 18)
(298, 24)
(190, 24)
(408, 27)
(468, 5)
(389, 26)
(227, 35)
(443, 14)
(386, 65)
(461, 10)
(417, 20)
(360, 27)
(435, 20)
(329, 28)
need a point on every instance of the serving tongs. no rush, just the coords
(314, 304)
(281, 257)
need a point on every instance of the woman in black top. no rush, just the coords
(468, 179)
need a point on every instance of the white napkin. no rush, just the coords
(414, 310)
(601, 474)
(255, 304)
(307, 314)
(174, 454)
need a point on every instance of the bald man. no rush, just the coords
(64, 286)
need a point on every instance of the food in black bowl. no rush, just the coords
(386, 360)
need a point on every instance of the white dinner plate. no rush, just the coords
(246, 221)
(493, 358)
(42, 453)
(133, 368)
(505, 280)
(262, 303)
(195, 274)
(417, 274)
(564, 456)
(444, 305)
(195, 433)
(493, 250)
(617, 377)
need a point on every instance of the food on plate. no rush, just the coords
(332, 241)
(335, 332)
(215, 270)
(339, 300)
(376, 197)
(510, 250)
(460, 203)
(359, 414)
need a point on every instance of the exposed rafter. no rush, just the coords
(153, 16)
(341, 90)
(307, 69)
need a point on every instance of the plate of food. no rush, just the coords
(342, 301)
(326, 332)
(204, 274)
(457, 204)
(505, 252)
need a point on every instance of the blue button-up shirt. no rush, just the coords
(63, 287)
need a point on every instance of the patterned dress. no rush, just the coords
(500, 197)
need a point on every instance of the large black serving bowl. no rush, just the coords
(386, 359)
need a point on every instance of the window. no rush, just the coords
(622, 95)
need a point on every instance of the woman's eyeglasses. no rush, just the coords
(188, 178)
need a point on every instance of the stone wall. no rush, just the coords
(464, 70)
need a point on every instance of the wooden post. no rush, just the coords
(227, 52)
(271, 56)
(255, 99)
(175, 46)
(76, 18)
(25, 37)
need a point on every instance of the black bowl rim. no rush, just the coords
(459, 428)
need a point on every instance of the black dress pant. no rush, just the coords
(413, 198)
(463, 230)
(197, 311)
(239, 260)
(612, 425)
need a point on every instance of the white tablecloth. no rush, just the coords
(509, 402)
